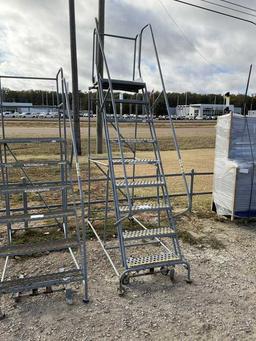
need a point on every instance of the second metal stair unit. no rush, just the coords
(48, 216)
(137, 228)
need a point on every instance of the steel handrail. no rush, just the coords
(94, 52)
(110, 87)
(84, 221)
(166, 103)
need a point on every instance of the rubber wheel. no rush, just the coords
(172, 274)
(69, 296)
(164, 270)
(126, 279)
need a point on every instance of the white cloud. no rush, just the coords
(34, 40)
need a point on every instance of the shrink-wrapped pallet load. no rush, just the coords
(234, 184)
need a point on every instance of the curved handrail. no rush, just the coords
(93, 56)
(113, 104)
(167, 105)
(101, 50)
(60, 71)
(84, 220)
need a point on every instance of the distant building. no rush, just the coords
(16, 106)
(252, 113)
(23, 107)
(204, 111)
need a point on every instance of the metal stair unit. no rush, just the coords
(56, 217)
(123, 157)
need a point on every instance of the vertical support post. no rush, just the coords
(192, 176)
(75, 93)
(101, 19)
(25, 201)
(121, 97)
(90, 108)
(106, 210)
(53, 101)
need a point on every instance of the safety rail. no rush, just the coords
(111, 92)
(166, 104)
(95, 52)
(138, 40)
(192, 175)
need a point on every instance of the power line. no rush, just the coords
(184, 35)
(214, 11)
(228, 7)
(238, 5)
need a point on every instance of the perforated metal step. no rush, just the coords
(36, 282)
(29, 249)
(144, 207)
(152, 261)
(35, 217)
(33, 140)
(140, 183)
(135, 162)
(129, 120)
(30, 164)
(33, 188)
(130, 101)
(134, 141)
(148, 233)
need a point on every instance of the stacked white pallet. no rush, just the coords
(234, 187)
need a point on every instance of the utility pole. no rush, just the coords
(101, 20)
(75, 93)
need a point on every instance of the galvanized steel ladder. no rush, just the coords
(33, 217)
(123, 158)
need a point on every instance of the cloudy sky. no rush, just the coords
(199, 51)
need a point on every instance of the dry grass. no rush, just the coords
(190, 135)
(196, 141)
(200, 160)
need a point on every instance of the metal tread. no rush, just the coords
(136, 161)
(123, 85)
(148, 233)
(140, 183)
(35, 217)
(153, 260)
(127, 161)
(30, 164)
(29, 249)
(134, 141)
(144, 207)
(41, 281)
(33, 188)
(33, 140)
(130, 101)
(129, 120)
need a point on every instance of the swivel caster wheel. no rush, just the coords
(164, 270)
(172, 274)
(69, 296)
(125, 279)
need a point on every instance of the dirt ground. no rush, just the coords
(218, 305)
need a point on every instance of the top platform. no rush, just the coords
(122, 85)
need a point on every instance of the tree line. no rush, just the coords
(39, 97)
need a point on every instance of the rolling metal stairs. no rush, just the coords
(124, 169)
(46, 208)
